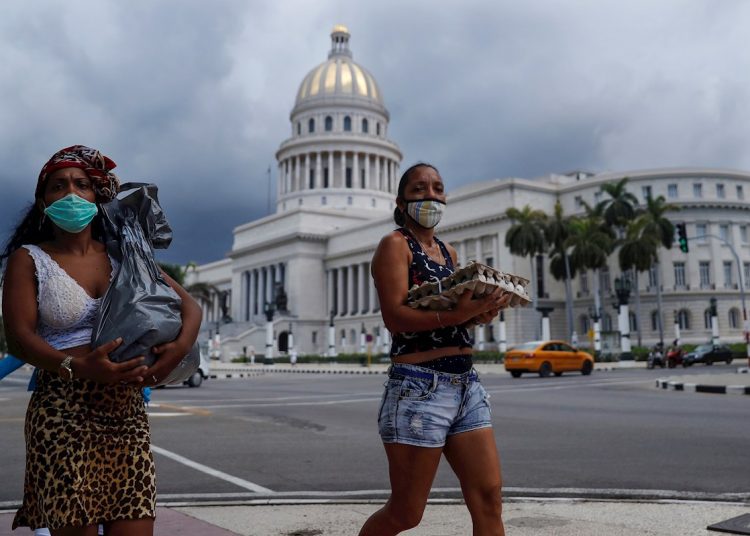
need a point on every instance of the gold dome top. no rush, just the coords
(340, 75)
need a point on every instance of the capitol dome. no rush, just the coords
(339, 76)
(339, 156)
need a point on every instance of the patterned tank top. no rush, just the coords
(421, 269)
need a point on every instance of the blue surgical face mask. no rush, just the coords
(71, 213)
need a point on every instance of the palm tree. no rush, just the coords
(657, 228)
(638, 252)
(525, 238)
(620, 207)
(556, 233)
(590, 244)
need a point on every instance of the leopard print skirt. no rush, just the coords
(88, 455)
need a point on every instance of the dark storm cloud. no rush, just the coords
(196, 95)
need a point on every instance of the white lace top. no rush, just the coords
(66, 312)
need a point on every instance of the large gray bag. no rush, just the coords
(139, 304)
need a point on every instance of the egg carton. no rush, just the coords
(479, 278)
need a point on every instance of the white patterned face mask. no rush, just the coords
(426, 212)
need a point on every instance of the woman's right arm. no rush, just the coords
(20, 320)
(390, 270)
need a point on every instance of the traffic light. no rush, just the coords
(682, 237)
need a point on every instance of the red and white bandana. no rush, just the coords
(97, 166)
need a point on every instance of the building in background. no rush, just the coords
(336, 182)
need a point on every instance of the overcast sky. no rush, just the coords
(195, 95)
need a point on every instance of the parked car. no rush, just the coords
(708, 354)
(547, 357)
(202, 373)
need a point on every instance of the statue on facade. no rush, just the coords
(281, 298)
(224, 306)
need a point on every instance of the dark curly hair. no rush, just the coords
(399, 216)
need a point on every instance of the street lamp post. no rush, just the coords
(714, 322)
(622, 290)
(596, 315)
(545, 311)
(331, 336)
(269, 311)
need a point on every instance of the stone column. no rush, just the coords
(343, 169)
(495, 251)
(478, 249)
(319, 170)
(371, 290)
(340, 290)
(297, 166)
(355, 170)
(330, 169)
(330, 282)
(361, 288)
(462, 253)
(306, 180)
(367, 171)
(282, 178)
(502, 340)
(252, 294)
(350, 308)
(378, 174)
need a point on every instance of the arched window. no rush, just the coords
(365, 126)
(377, 129)
(734, 318)
(683, 318)
(347, 124)
(654, 320)
(343, 336)
(633, 321)
(329, 123)
(707, 318)
(299, 128)
(311, 125)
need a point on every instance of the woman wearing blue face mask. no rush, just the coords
(433, 403)
(88, 455)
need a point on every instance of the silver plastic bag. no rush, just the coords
(139, 304)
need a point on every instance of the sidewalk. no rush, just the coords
(546, 517)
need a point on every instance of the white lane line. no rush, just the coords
(269, 398)
(210, 471)
(168, 414)
(272, 404)
(522, 389)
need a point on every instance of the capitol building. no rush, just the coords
(337, 177)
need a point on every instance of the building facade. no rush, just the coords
(336, 183)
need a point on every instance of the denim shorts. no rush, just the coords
(424, 411)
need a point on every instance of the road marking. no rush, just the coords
(183, 409)
(275, 399)
(210, 471)
(521, 389)
(273, 404)
(168, 414)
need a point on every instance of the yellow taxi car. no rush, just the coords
(547, 357)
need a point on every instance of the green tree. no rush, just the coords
(556, 233)
(638, 252)
(525, 238)
(620, 207)
(657, 228)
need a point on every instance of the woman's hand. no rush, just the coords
(96, 366)
(484, 309)
(169, 356)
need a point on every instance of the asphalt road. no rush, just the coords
(317, 433)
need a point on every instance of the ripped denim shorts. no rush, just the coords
(423, 407)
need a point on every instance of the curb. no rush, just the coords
(698, 388)
(274, 370)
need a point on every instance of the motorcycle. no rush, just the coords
(675, 356)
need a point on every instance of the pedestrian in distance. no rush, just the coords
(433, 404)
(88, 455)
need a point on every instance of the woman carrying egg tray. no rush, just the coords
(433, 404)
(88, 455)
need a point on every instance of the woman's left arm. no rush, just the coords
(171, 353)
